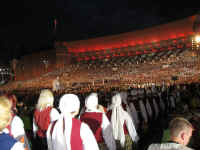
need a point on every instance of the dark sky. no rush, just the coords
(26, 25)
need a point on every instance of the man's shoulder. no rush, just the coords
(168, 146)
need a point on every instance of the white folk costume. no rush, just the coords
(68, 133)
(168, 146)
(16, 130)
(98, 122)
(122, 123)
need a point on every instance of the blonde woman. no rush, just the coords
(44, 114)
(16, 126)
(7, 142)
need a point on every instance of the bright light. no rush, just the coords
(197, 39)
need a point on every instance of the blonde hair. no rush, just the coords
(46, 98)
(5, 112)
(179, 124)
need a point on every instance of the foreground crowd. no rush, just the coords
(114, 121)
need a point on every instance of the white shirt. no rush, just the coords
(87, 136)
(134, 115)
(168, 146)
(18, 146)
(17, 130)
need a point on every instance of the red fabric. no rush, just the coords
(76, 141)
(42, 119)
(109, 113)
(94, 120)
(124, 106)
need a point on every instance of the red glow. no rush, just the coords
(111, 44)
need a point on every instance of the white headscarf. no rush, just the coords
(59, 139)
(118, 117)
(124, 96)
(91, 102)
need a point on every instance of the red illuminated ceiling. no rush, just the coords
(173, 30)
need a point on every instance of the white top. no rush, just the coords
(54, 115)
(168, 146)
(17, 130)
(106, 131)
(60, 140)
(18, 146)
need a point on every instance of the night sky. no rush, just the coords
(26, 26)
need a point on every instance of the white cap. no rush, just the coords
(69, 103)
(91, 101)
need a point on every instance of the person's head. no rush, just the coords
(13, 99)
(180, 130)
(5, 112)
(124, 97)
(91, 101)
(116, 100)
(46, 98)
(69, 103)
